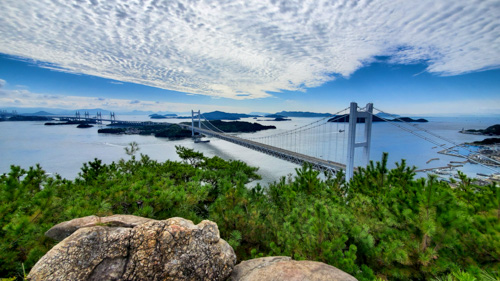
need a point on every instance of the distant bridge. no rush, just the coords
(294, 155)
(287, 155)
(328, 144)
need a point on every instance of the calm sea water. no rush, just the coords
(63, 149)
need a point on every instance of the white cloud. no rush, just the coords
(27, 99)
(245, 49)
(2, 83)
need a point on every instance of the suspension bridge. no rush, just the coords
(329, 144)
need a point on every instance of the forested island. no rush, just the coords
(490, 131)
(170, 131)
(235, 126)
(381, 225)
(488, 141)
(174, 131)
(26, 118)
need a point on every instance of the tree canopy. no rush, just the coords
(382, 224)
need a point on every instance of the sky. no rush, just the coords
(407, 57)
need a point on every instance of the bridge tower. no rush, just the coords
(87, 115)
(112, 117)
(98, 118)
(354, 116)
(77, 115)
(192, 121)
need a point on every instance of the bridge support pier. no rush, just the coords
(192, 121)
(354, 115)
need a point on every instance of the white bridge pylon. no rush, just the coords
(354, 116)
(275, 150)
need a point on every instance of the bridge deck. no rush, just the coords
(297, 158)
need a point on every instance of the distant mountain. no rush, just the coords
(160, 116)
(386, 115)
(219, 115)
(345, 118)
(135, 112)
(38, 113)
(302, 114)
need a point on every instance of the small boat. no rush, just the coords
(341, 131)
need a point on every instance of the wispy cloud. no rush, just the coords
(245, 49)
(27, 99)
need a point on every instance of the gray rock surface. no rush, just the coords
(173, 249)
(62, 230)
(286, 269)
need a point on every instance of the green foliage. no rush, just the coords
(382, 225)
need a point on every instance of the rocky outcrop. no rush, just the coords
(134, 248)
(64, 229)
(286, 269)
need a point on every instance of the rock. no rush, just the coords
(65, 229)
(133, 248)
(284, 268)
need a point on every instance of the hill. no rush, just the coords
(345, 118)
(302, 114)
(219, 115)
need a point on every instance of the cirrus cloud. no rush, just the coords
(247, 49)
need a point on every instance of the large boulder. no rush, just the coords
(136, 249)
(286, 269)
(64, 229)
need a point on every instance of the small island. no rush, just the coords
(71, 122)
(282, 119)
(84, 126)
(160, 116)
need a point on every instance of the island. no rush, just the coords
(490, 131)
(219, 115)
(282, 119)
(302, 114)
(170, 131)
(274, 116)
(28, 118)
(174, 131)
(345, 118)
(160, 116)
(84, 125)
(277, 117)
(487, 141)
(71, 122)
(235, 126)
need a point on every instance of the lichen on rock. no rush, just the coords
(134, 248)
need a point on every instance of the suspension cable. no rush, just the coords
(434, 142)
(438, 136)
(299, 129)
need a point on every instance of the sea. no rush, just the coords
(63, 149)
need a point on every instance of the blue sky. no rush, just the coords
(407, 57)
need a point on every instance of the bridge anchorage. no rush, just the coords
(295, 145)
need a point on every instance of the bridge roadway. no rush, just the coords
(290, 156)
